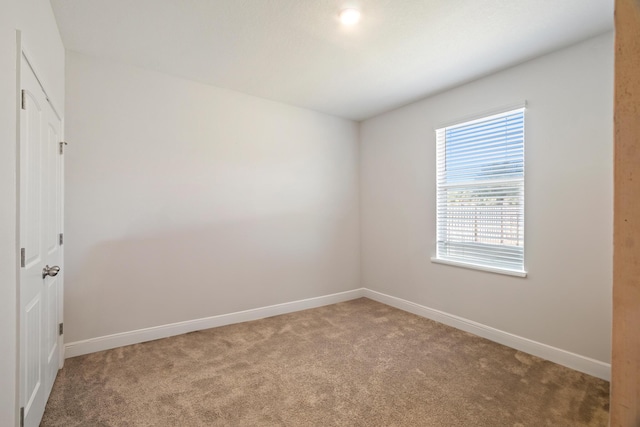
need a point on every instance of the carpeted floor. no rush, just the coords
(357, 363)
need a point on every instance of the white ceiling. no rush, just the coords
(297, 52)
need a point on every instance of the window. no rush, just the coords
(480, 193)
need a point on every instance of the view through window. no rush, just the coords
(480, 192)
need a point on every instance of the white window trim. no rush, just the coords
(470, 266)
(504, 271)
(483, 114)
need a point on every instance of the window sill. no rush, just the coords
(480, 267)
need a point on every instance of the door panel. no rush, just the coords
(31, 177)
(34, 389)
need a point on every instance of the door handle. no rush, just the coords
(50, 271)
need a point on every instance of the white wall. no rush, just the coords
(185, 201)
(565, 302)
(35, 20)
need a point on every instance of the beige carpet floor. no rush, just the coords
(357, 363)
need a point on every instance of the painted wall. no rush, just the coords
(185, 201)
(565, 301)
(35, 20)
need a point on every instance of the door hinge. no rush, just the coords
(22, 417)
(61, 329)
(23, 100)
(61, 238)
(23, 257)
(62, 144)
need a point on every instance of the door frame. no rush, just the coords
(625, 348)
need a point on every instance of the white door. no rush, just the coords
(41, 188)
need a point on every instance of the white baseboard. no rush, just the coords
(562, 357)
(108, 342)
(575, 361)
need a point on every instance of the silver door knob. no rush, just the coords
(50, 271)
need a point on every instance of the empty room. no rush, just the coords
(320, 213)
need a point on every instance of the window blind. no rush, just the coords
(480, 192)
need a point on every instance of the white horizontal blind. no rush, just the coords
(480, 192)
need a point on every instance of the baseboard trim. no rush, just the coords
(562, 357)
(571, 360)
(78, 348)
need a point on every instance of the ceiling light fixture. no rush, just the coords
(350, 16)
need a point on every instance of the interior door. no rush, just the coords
(41, 251)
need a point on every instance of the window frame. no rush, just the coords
(506, 111)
